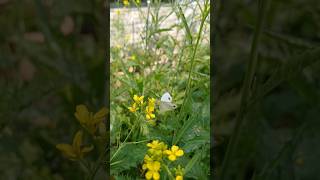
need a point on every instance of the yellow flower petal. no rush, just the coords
(149, 175)
(149, 145)
(168, 152)
(82, 113)
(144, 166)
(147, 158)
(99, 116)
(156, 175)
(87, 149)
(77, 141)
(174, 148)
(156, 166)
(179, 178)
(152, 116)
(179, 153)
(67, 150)
(172, 157)
(150, 165)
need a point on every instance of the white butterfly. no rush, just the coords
(165, 103)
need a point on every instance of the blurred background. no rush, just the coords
(52, 58)
(279, 138)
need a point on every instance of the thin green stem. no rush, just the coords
(168, 171)
(204, 17)
(251, 68)
(97, 164)
(85, 165)
(125, 140)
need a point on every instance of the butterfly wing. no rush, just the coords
(166, 106)
(166, 97)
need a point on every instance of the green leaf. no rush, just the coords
(130, 155)
(186, 126)
(192, 162)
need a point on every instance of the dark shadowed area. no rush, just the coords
(52, 58)
(273, 103)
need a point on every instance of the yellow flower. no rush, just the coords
(179, 173)
(118, 46)
(154, 145)
(179, 177)
(138, 99)
(126, 2)
(153, 168)
(147, 159)
(133, 108)
(138, 2)
(89, 120)
(118, 12)
(151, 102)
(76, 150)
(156, 149)
(149, 112)
(133, 57)
(174, 153)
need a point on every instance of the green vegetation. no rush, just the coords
(179, 139)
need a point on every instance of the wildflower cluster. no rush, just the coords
(75, 150)
(155, 157)
(88, 120)
(127, 3)
(150, 109)
(91, 123)
(140, 104)
(138, 101)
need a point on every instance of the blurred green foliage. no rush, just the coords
(278, 136)
(52, 58)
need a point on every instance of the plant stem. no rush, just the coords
(97, 165)
(121, 145)
(204, 16)
(251, 68)
(168, 171)
(85, 165)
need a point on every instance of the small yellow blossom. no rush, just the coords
(133, 57)
(154, 145)
(147, 158)
(76, 150)
(126, 2)
(174, 153)
(153, 170)
(151, 102)
(138, 1)
(156, 149)
(179, 173)
(89, 120)
(118, 12)
(133, 108)
(149, 112)
(179, 177)
(138, 99)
